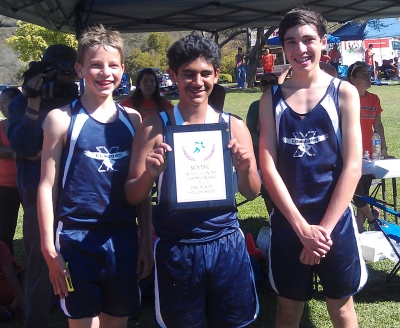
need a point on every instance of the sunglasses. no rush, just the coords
(356, 65)
(264, 83)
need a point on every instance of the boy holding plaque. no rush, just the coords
(310, 158)
(203, 273)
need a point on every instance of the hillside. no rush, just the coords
(9, 63)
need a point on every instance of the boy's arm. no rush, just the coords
(147, 160)
(55, 128)
(314, 238)
(378, 126)
(243, 159)
(145, 256)
(349, 102)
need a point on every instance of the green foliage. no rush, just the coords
(159, 42)
(31, 40)
(227, 78)
(228, 64)
(153, 56)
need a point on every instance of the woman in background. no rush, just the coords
(10, 199)
(146, 98)
(358, 74)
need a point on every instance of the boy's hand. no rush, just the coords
(156, 160)
(241, 157)
(308, 258)
(57, 274)
(145, 260)
(316, 240)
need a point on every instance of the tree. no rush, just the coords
(159, 42)
(30, 41)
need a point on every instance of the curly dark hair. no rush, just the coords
(191, 47)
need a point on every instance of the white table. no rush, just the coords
(384, 169)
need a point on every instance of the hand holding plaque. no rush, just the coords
(200, 167)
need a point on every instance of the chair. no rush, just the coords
(390, 230)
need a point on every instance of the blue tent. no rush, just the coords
(371, 29)
(276, 42)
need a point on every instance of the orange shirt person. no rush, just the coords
(268, 61)
(146, 98)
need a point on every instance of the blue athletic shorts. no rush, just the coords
(342, 272)
(102, 265)
(205, 285)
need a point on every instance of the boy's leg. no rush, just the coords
(288, 313)
(342, 312)
(103, 320)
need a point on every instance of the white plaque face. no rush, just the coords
(199, 166)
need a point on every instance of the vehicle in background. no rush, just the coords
(4, 86)
(124, 87)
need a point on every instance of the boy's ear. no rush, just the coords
(79, 70)
(324, 40)
(217, 71)
(172, 75)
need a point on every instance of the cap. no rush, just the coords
(60, 53)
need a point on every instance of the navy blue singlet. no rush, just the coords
(190, 226)
(309, 151)
(94, 168)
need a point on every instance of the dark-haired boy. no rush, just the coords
(310, 154)
(203, 273)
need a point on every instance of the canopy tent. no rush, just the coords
(371, 29)
(178, 15)
(275, 41)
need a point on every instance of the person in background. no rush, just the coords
(240, 69)
(370, 118)
(335, 56)
(146, 98)
(310, 159)
(268, 80)
(369, 59)
(10, 198)
(26, 115)
(11, 285)
(324, 57)
(268, 61)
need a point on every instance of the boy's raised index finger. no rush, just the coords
(165, 146)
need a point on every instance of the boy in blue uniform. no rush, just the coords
(310, 158)
(85, 163)
(203, 275)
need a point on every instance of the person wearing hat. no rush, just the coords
(48, 84)
(240, 69)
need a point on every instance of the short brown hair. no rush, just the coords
(98, 35)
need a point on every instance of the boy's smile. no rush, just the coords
(195, 82)
(102, 69)
(303, 45)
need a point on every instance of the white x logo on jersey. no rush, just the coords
(109, 157)
(304, 142)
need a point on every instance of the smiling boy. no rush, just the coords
(310, 158)
(203, 273)
(85, 162)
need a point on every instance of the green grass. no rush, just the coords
(377, 305)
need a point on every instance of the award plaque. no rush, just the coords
(199, 167)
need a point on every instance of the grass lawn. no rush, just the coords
(377, 304)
